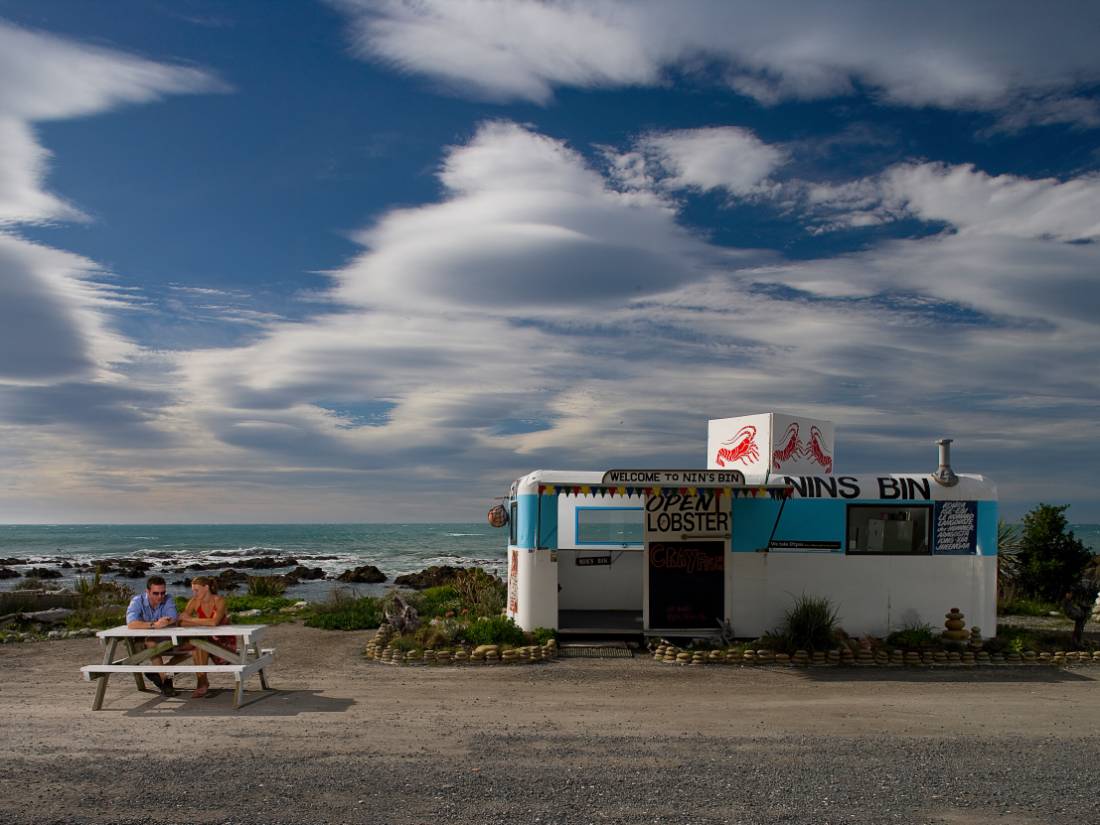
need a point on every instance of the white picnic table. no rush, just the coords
(249, 658)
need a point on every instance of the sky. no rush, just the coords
(372, 261)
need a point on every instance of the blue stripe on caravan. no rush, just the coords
(803, 520)
(527, 520)
(987, 528)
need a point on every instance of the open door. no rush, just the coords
(687, 585)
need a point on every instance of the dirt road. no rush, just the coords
(576, 740)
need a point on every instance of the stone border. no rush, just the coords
(844, 656)
(380, 650)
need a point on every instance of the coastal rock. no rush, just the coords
(8, 573)
(43, 573)
(434, 576)
(257, 563)
(367, 574)
(306, 573)
(14, 561)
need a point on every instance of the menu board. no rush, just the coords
(956, 528)
(686, 584)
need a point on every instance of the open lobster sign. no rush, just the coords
(756, 444)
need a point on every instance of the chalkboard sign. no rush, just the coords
(956, 528)
(687, 585)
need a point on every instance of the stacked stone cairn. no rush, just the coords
(955, 624)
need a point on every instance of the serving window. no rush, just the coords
(877, 528)
(619, 526)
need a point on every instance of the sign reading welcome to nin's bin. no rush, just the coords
(955, 528)
(674, 478)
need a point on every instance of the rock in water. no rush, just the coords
(367, 574)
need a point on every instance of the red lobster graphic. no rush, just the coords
(792, 446)
(815, 450)
(743, 448)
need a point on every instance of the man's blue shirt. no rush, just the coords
(141, 611)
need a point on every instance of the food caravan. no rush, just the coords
(681, 552)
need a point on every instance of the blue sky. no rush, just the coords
(370, 261)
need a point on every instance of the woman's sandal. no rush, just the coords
(201, 692)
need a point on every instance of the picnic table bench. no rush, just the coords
(249, 659)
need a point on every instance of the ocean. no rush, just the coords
(393, 548)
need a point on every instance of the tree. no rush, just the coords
(1051, 558)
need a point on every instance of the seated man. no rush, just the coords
(154, 609)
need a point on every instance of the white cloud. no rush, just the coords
(978, 203)
(972, 202)
(505, 50)
(54, 306)
(1016, 58)
(53, 315)
(725, 157)
(526, 224)
(43, 77)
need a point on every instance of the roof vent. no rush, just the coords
(944, 474)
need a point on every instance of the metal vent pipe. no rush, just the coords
(944, 474)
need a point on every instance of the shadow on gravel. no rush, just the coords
(1030, 675)
(220, 703)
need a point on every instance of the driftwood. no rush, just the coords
(57, 615)
(401, 615)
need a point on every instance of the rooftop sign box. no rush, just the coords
(782, 444)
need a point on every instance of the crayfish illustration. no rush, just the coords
(742, 447)
(815, 450)
(791, 446)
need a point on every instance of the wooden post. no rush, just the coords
(137, 676)
(101, 685)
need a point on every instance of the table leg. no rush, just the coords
(238, 692)
(137, 676)
(101, 681)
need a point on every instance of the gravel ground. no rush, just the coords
(574, 741)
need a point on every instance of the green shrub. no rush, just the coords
(181, 602)
(99, 618)
(434, 602)
(913, 636)
(266, 586)
(268, 604)
(34, 583)
(1022, 606)
(436, 636)
(342, 613)
(96, 592)
(809, 624)
(541, 635)
(776, 640)
(480, 593)
(493, 630)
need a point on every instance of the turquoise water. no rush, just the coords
(394, 548)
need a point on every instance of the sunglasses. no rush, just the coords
(158, 592)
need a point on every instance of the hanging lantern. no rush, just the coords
(498, 515)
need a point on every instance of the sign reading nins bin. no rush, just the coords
(791, 445)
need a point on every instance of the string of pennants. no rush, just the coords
(600, 490)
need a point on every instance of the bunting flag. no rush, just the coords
(603, 492)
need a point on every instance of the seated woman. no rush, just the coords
(206, 609)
